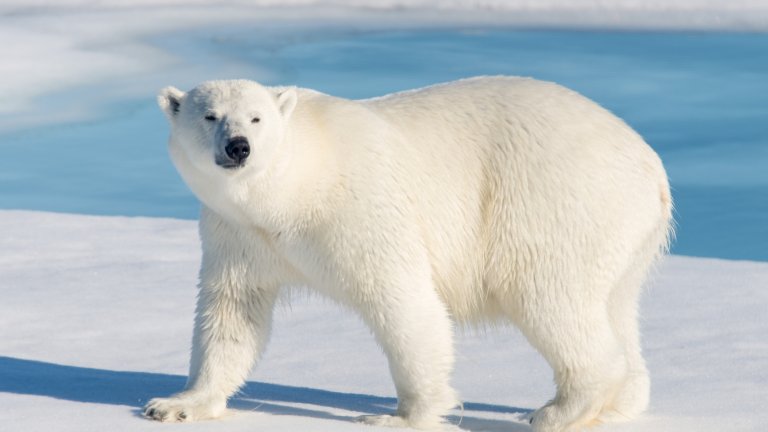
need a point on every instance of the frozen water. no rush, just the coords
(697, 98)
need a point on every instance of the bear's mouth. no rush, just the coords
(228, 163)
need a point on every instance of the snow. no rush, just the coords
(96, 312)
(97, 318)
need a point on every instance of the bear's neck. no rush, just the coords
(296, 191)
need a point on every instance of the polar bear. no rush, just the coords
(489, 198)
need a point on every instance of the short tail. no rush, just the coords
(667, 222)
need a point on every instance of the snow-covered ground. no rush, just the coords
(96, 317)
(96, 312)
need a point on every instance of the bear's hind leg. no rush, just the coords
(632, 399)
(587, 359)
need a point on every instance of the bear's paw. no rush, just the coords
(184, 408)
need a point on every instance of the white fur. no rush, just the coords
(482, 199)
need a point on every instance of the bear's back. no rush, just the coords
(494, 160)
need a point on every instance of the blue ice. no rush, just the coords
(700, 99)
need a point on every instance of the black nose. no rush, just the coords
(238, 149)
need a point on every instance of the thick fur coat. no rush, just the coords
(492, 198)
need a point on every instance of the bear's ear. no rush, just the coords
(286, 101)
(169, 100)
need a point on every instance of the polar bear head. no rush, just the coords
(225, 127)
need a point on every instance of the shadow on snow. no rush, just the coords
(134, 389)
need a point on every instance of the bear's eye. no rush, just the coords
(255, 120)
(210, 117)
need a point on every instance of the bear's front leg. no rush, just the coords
(230, 332)
(231, 329)
(232, 323)
(413, 327)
